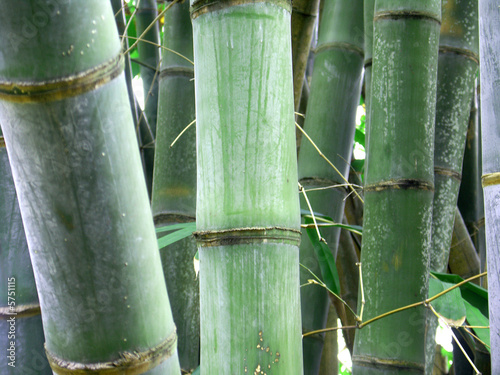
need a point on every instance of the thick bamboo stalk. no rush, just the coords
(457, 67)
(21, 332)
(369, 7)
(398, 186)
(489, 24)
(329, 357)
(304, 15)
(247, 210)
(67, 123)
(174, 184)
(149, 56)
(330, 122)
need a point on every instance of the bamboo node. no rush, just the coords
(383, 363)
(19, 311)
(243, 236)
(468, 54)
(398, 14)
(64, 87)
(339, 45)
(400, 184)
(129, 363)
(448, 172)
(200, 7)
(177, 71)
(490, 179)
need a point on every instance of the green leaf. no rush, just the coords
(171, 227)
(359, 137)
(175, 236)
(325, 221)
(450, 305)
(476, 318)
(325, 259)
(472, 293)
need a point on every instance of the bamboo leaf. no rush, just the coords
(329, 222)
(472, 293)
(175, 236)
(450, 305)
(168, 228)
(476, 318)
(325, 259)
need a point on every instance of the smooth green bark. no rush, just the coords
(246, 186)
(81, 189)
(398, 187)
(174, 184)
(330, 122)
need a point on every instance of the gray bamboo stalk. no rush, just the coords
(489, 24)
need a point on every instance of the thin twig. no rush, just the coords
(162, 47)
(328, 330)
(182, 132)
(362, 292)
(301, 190)
(329, 162)
(159, 16)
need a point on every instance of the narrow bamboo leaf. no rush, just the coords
(174, 237)
(476, 318)
(330, 222)
(450, 305)
(325, 259)
(472, 293)
(169, 228)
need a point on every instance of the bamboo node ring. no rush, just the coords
(129, 363)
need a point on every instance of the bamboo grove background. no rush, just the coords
(217, 221)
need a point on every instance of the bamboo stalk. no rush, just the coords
(330, 122)
(464, 260)
(304, 14)
(174, 184)
(398, 187)
(247, 210)
(20, 321)
(457, 67)
(489, 24)
(67, 123)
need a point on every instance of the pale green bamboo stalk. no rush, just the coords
(67, 123)
(489, 24)
(21, 332)
(174, 184)
(398, 186)
(247, 210)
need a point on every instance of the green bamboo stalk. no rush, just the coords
(470, 197)
(398, 186)
(149, 56)
(457, 67)
(369, 7)
(67, 123)
(174, 183)
(140, 121)
(21, 332)
(304, 14)
(247, 210)
(329, 357)
(330, 122)
(489, 16)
